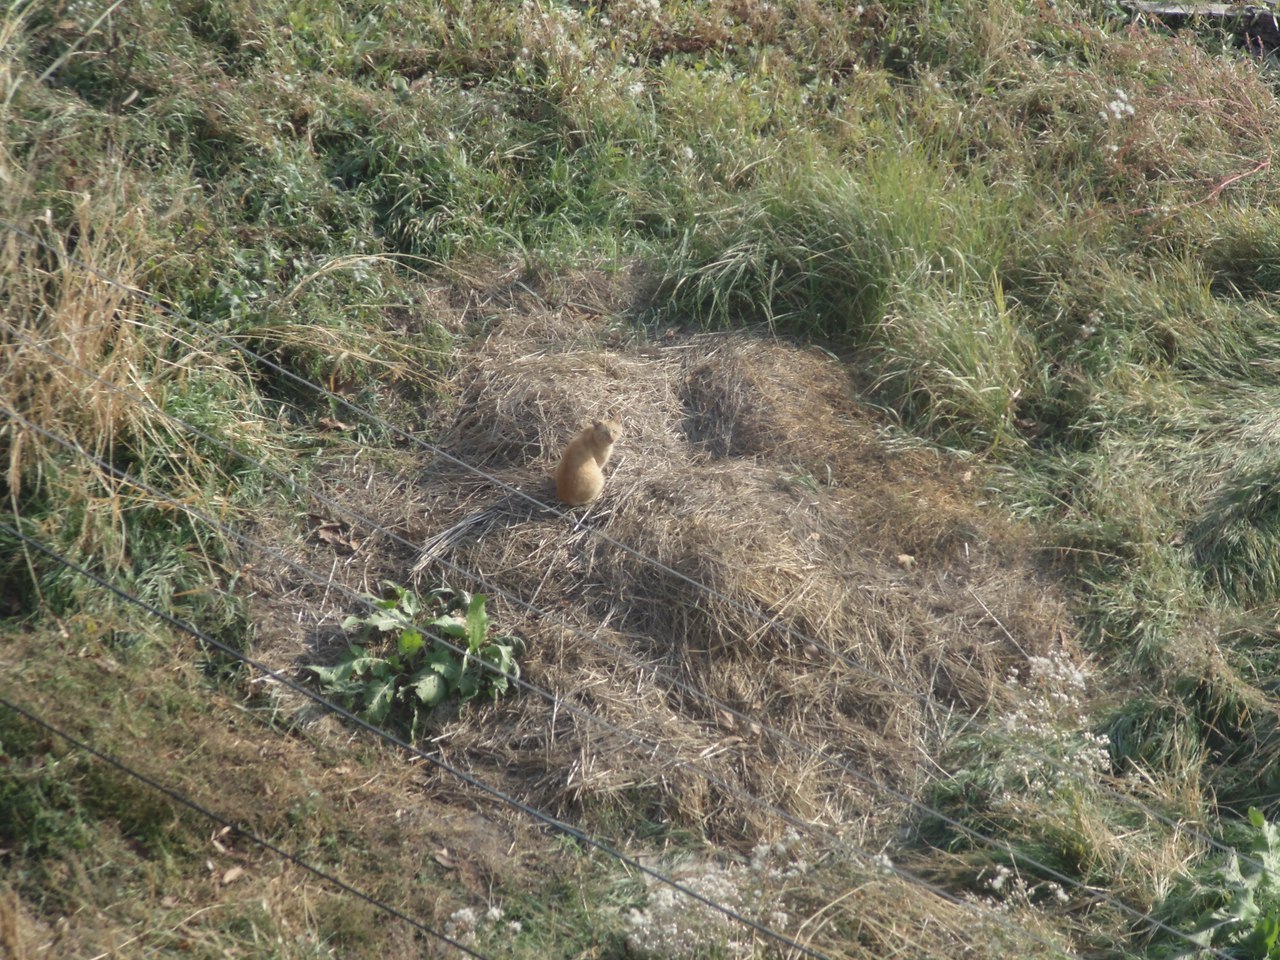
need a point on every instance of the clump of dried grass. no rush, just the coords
(17, 931)
(86, 367)
(807, 579)
(56, 306)
(53, 303)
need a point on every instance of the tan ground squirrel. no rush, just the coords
(579, 478)
(578, 481)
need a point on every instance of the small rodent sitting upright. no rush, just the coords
(579, 478)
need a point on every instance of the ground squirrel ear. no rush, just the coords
(597, 424)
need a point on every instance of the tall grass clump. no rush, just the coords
(224, 143)
(822, 251)
(805, 256)
(892, 254)
(86, 369)
(1242, 252)
(954, 363)
(87, 374)
(1237, 538)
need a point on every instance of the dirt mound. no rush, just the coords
(770, 597)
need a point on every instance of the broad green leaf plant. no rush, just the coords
(1237, 904)
(411, 654)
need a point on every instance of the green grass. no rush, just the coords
(1046, 242)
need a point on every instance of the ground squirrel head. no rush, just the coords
(607, 430)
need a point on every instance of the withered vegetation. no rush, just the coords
(763, 549)
(941, 538)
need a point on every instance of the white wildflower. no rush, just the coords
(461, 926)
(997, 882)
(1120, 107)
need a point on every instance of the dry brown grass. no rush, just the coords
(54, 303)
(86, 364)
(17, 929)
(849, 588)
(304, 794)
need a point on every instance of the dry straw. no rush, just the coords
(745, 465)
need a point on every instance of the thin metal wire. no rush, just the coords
(821, 754)
(237, 828)
(556, 824)
(925, 699)
(558, 702)
(671, 680)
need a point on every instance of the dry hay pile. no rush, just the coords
(781, 560)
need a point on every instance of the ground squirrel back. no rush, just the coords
(579, 478)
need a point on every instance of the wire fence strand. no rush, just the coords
(237, 828)
(644, 558)
(926, 699)
(922, 807)
(871, 861)
(470, 780)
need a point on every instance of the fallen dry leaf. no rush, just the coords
(337, 535)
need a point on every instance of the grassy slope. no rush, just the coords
(1051, 238)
